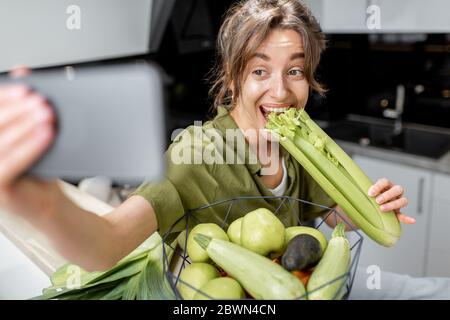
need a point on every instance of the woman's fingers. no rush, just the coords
(394, 205)
(17, 109)
(13, 92)
(26, 130)
(391, 194)
(18, 128)
(27, 151)
(390, 198)
(404, 218)
(19, 71)
(379, 186)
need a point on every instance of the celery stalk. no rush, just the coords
(338, 175)
(340, 181)
(361, 179)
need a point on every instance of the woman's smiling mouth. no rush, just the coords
(267, 109)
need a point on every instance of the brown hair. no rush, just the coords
(246, 25)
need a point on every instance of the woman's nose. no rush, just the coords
(279, 89)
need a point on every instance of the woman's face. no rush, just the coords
(273, 80)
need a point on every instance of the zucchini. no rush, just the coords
(261, 277)
(329, 276)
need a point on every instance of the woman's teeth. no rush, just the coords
(277, 110)
(267, 110)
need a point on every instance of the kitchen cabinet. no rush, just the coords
(414, 15)
(438, 262)
(343, 16)
(394, 16)
(408, 256)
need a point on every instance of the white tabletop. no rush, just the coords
(26, 258)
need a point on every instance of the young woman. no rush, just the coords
(268, 52)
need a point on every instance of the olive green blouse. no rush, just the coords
(189, 186)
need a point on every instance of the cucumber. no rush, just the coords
(261, 277)
(335, 263)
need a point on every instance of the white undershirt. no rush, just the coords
(281, 188)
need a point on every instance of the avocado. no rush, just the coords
(303, 252)
(296, 230)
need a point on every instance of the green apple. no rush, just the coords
(262, 232)
(291, 232)
(196, 275)
(234, 231)
(221, 288)
(195, 252)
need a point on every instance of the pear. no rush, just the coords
(196, 275)
(194, 251)
(220, 288)
(234, 231)
(262, 232)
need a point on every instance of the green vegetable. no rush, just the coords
(194, 251)
(234, 231)
(291, 232)
(137, 276)
(335, 172)
(221, 288)
(262, 232)
(195, 275)
(262, 278)
(302, 252)
(328, 278)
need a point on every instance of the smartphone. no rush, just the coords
(110, 122)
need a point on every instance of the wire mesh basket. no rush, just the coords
(290, 211)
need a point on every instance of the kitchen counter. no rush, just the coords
(26, 257)
(441, 165)
(354, 130)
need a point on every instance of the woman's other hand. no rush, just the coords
(26, 131)
(390, 197)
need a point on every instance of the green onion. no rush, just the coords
(139, 275)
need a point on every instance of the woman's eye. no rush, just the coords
(296, 72)
(259, 72)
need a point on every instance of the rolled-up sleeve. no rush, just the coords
(165, 200)
(184, 187)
